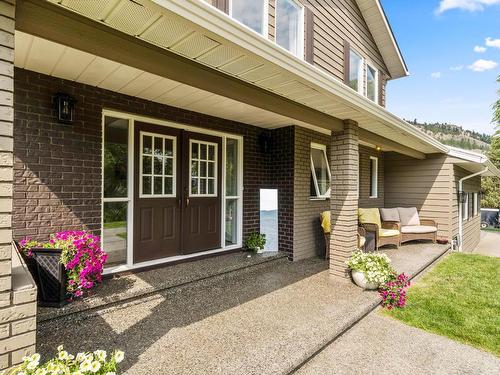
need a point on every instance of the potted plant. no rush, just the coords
(370, 270)
(65, 266)
(255, 242)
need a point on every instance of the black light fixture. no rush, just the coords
(265, 143)
(65, 106)
(462, 196)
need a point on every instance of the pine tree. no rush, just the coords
(491, 185)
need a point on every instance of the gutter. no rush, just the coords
(460, 221)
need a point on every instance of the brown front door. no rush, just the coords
(177, 198)
(201, 224)
(157, 192)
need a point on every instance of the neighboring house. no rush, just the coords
(185, 109)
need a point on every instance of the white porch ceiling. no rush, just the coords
(54, 59)
(201, 33)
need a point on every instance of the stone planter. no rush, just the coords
(360, 280)
(50, 277)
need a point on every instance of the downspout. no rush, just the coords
(460, 221)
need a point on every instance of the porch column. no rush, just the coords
(17, 307)
(344, 160)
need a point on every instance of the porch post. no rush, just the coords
(17, 307)
(344, 160)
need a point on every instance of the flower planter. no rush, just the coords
(360, 280)
(50, 277)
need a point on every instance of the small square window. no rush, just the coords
(252, 14)
(289, 26)
(320, 172)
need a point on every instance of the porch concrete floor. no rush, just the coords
(259, 320)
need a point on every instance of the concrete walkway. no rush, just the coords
(489, 244)
(266, 319)
(381, 345)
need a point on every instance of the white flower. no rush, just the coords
(63, 355)
(110, 373)
(101, 355)
(80, 357)
(95, 366)
(85, 365)
(41, 371)
(60, 348)
(35, 357)
(119, 356)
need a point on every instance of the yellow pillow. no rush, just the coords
(369, 215)
(325, 221)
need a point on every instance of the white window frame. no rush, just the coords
(132, 118)
(320, 147)
(465, 207)
(373, 178)
(301, 46)
(474, 202)
(372, 66)
(174, 171)
(361, 71)
(265, 18)
(216, 160)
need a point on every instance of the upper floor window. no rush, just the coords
(250, 13)
(289, 26)
(320, 172)
(356, 70)
(371, 83)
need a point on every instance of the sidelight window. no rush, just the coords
(203, 169)
(356, 72)
(373, 177)
(371, 83)
(157, 165)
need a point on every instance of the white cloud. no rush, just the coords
(482, 65)
(479, 49)
(495, 43)
(457, 67)
(467, 5)
(436, 75)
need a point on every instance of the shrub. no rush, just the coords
(393, 292)
(376, 267)
(255, 241)
(81, 255)
(98, 363)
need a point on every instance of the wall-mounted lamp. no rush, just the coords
(378, 148)
(65, 106)
(462, 197)
(265, 143)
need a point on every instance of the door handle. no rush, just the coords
(187, 202)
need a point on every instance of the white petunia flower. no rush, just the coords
(100, 355)
(60, 348)
(119, 356)
(85, 366)
(63, 355)
(95, 366)
(80, 357)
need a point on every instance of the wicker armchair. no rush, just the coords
(409, 233)
(384, 240)
(326, 234)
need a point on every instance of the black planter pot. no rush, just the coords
(50, 277)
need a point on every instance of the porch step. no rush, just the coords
(125, 288)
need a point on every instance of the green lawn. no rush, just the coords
(491, 229)
(459, 298)
(115, 224)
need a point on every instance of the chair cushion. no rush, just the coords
(388, 232)
(418, 229)
(325, 221)
(369, 216)
(389, 214)
(361, 242)
(408, 216)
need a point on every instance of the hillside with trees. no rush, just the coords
(455, 135)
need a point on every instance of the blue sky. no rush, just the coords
(446, 82)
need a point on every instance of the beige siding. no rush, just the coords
(364, 178)
(307, 234)
(471, 226)
(425, 184)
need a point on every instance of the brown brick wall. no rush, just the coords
(308, 236)
(58, 166)
(364, 178)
